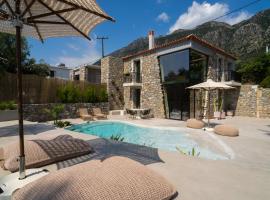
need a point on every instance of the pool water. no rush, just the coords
(152, 137)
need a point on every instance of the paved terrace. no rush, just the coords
(245, 177)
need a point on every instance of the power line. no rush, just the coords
(238, 9)
(102, 43)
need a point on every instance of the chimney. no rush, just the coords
(151, 38)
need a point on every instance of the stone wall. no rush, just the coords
(151, 91)
(112, 70)
(35, 112)
(253, 102)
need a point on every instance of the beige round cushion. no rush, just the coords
(226, 130)
(195, 123)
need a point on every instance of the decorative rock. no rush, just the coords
(195, 123)
(226, 130)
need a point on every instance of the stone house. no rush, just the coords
(60, 71)
(157, 78)
(88, 72)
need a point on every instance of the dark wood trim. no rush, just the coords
(51, 13)
(36, 27)
(88, 10)
(9, 7)
(28, 7)
(74, 27)
(46, 22)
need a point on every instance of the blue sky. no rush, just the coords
(134, 18)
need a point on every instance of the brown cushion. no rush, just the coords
(195, 123)
(41, 152)
(115, 178)
(226, 130)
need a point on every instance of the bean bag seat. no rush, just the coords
(195, 123)
(115, 178)
(226, 130)
(41, 152)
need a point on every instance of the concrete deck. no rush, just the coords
(246, 176)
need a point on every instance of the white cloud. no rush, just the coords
(73, 47)
(163, 17)
(86, 52)
(200, 13)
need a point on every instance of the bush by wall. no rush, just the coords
(89, 94)
(8, 105)
(266, 82)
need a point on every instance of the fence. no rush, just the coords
(36, 89)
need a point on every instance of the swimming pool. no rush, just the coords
(165, 139)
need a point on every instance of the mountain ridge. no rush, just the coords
(245, 39)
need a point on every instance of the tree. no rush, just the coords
(8, 52)
(254, 70)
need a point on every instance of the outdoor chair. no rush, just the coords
(145, 114)
(97, 114)
(131, 113)
(83, 112)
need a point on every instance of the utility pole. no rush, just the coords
(102, 43)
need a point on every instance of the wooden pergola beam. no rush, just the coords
(62, 18)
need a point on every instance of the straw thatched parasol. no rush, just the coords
(43, 19)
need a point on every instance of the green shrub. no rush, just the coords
(8, 105)
(266, 82)
(55, 112)
(117, 138)
(69, 94)
(62, 124)
(89, 94)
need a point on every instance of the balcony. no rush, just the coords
(132, 79)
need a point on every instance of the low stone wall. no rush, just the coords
(36, 113)
(253, 102)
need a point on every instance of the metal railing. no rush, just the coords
(132, 77)
(226, 75)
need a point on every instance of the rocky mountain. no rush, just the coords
(245, 39)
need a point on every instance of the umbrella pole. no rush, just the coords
(208, 122)
(19, 90)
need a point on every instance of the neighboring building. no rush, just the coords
(157, 78)
(87, 72)
(61, 72)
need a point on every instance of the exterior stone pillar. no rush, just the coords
(112, 74)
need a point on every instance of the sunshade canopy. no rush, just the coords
(50, 18)
(210, 85)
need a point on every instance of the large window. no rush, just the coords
(174, 67)
(178, 71)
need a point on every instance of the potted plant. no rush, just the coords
(230, 111)
(8, 111)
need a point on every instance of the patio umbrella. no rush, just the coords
(208, 86)
(43, 19)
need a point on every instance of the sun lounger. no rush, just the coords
(115, 178)
(41, 152)
(98, 114)
(85, 115)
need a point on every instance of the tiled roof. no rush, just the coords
(178, 41)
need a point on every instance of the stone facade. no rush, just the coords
(35, 112)
(151, 89)
(253, 102)
(89, 73)
(112, 70)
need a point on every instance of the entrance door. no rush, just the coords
(137, 98)
(177, 101)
